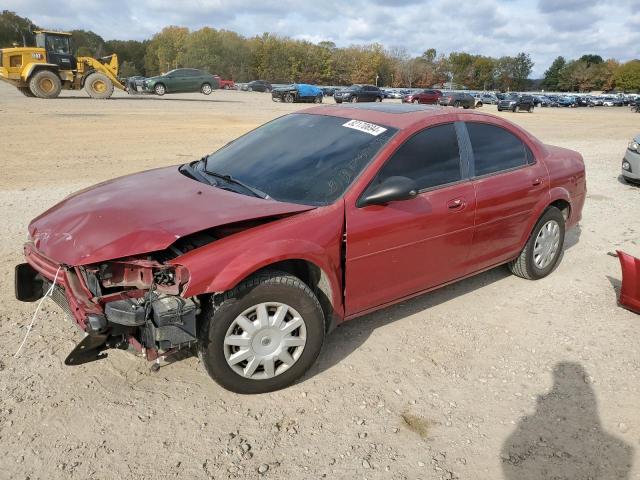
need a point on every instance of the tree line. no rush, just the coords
(281, 59)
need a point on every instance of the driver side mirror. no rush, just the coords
(392, 189)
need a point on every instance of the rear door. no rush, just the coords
(405, 247)
(508, 184)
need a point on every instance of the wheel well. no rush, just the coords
(563, 206)
(315, 278)
(39, 68)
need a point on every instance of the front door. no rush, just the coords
(405, 247)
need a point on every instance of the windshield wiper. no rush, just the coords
(230, 179)
(196, 174)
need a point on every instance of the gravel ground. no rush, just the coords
(494, 377)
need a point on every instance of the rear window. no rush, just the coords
(495, 149)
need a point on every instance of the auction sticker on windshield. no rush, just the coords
(365, 127)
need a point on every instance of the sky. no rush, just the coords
(542, 28)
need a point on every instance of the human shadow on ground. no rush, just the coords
(564, 439)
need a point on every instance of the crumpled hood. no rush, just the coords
(141, 213)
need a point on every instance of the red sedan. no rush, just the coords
(255, 252)
(430, 97)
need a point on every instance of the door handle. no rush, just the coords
(456, 204)
(536, 182)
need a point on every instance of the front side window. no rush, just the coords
(431, 158)
(495, 149)
(301, 158)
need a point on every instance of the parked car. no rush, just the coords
(395, 93)
(182, 80)
(358, 93)
(542, 101)
(428, 96)
(297, 92)
(457, 99)
(631, 162)
(488, 99)
(516, 102)
(566, 101)
(255, 252)
(612, 102)
(258, 86)
(328, 91)
(226, 84)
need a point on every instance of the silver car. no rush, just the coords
(631, 162)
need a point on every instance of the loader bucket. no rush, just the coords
(630, 290)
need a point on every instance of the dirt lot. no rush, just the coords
(494, 377)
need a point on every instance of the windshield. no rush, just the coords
(301, 158)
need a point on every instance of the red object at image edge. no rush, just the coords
(630, 290)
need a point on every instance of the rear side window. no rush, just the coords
(495, 149)
(431, 158)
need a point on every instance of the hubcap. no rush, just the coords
(265, 340)
(206, 89)
(47, 85)
(547, 243)
(99, 86)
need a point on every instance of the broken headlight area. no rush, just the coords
(141, 307)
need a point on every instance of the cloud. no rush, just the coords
(543, 28)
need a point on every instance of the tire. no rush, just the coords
(26, 92)
(98, 85)
(317, 99)
(220, 321)
(456, 104)
(530, 110)
(206, 89)
(159, 89)
(414, 101)
(249, 89)
(354, 99)
(226, 87)
(378, 99)
(525, 265)
(499, 109)
(45, 84)
(478, 105)
(338, 101)
(288, 98)
(466, 107)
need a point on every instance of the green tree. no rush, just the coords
(627, 76)
(15, 29)
(552, 74)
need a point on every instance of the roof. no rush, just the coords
(398, 115)
(53, 31)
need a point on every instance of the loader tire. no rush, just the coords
(45, 84)
(26, 92)
(98, 85)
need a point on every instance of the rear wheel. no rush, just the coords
(378, 99)
(542, 251)
(206, 88)
(318, 99)
(45, 84)
(26, 92)
(354, 99)
(98, 85)
(263, 335)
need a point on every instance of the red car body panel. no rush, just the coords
(630, 290)
(141, 213)
(369, 257)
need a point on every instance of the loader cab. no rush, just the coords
(58, 48)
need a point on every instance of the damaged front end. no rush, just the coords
(126, 303)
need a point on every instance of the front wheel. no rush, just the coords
(206, 89)
(542, 251)
(288, 98)
(98, 85)
(354, 99)
(159, 89)
(263, 335)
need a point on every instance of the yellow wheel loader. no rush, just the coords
(43, 71)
